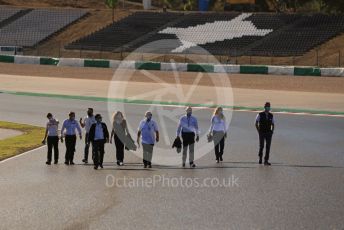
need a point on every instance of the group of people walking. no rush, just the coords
(97, 135)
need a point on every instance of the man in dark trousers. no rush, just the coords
(265, 125)
(68, 131)
(98, 135)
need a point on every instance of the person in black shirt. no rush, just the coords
(265, 125)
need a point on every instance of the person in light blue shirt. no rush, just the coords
(188, 130)
(148, 131)
(68, 131)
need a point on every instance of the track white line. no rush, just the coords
(19, 155)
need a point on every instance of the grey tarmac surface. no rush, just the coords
(303, 189)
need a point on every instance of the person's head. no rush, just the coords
(219, 112)
(188, 111)
(267, 107)
(49, 116)
(118, 117)
(90, 112)
(98, 118)
(148, 115)
(72, 116)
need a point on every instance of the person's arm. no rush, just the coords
(179, 129)
(106, 133)
(112, 133)
(156, 132)
(62, 130)
(79, 130)
(138, 138)
(82, 123)
(211, 125)
(273, 125)
(257, 122)
(197, 130)
(45, 135)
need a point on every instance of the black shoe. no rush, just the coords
(221, 158)
(149, 166)
(267, 163)
(192, 165)
(118, 163)
(48, 163)
(95, 167)
(66, 163)
(56, 162)
(101, 166)
(183, 165)
(85, 161)
(217, 161)
(260, 161)
(72, 163)
(145, 166)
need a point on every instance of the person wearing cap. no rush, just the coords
(265, 126)
(88, 121)
(188, 130)
(218, 130)
(99, 135)
(68, 131)
(52, 137)
(148, 131)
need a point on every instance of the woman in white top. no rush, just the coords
(119, 132)
(218, 130)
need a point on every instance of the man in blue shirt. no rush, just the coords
(70, 125)
(98, 135)
(188, 129)
(149, 132)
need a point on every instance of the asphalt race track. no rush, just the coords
(303, 189)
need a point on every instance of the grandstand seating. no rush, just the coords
(229, 33)
(7, 12)
(120, 33)
(37, 25)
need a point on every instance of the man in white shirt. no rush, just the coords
(188, 129)
(52, 137)
(149, 132)
(70, 126)
(88, 121)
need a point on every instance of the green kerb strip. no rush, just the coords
(307, 71)
(7, 58)
(148, 102)
(97, 63)
(48, 61)
(247, 69)
(148, 65)
(200, 68)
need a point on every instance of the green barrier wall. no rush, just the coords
(97, 63)
(254, 69)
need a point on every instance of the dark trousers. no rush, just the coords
(98, 146)
(265, 138)
(219, 143)
(188, 142)
(87, 148)
(119, 149)
(53, 142)
(70, 141)
(147, 153)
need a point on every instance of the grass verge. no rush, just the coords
(30, 139)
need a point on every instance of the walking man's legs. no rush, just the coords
(50, 149)
(261, 146)
(268, 138)
(56, 149)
